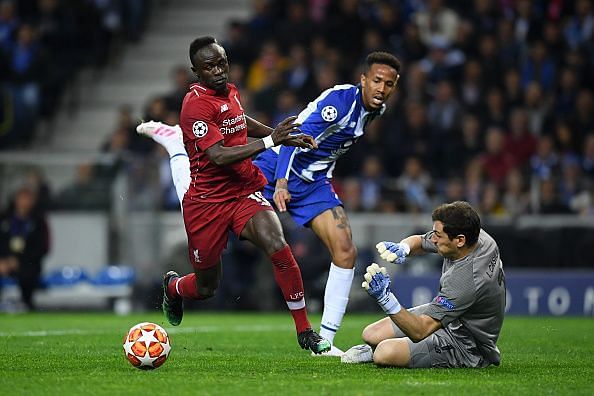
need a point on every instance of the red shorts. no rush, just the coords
(208, 225)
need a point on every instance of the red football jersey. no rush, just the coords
(207, 118)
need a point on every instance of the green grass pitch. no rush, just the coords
(257, 354)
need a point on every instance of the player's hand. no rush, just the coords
(287, 133)
(377, 281)
(303, 141)
(281, 195)
(393, 252)
(377, 285)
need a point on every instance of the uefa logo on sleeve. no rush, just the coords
(199, 128)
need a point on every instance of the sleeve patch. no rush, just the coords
(444, 302)
(199, 128)
(329, 113)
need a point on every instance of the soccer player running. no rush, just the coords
(299, 178)
(461, 325)
(220, 189)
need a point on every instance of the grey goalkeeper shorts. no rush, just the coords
(441, 350)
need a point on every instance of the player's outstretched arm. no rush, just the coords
(287, 133)
(220, 155)
(256, 129)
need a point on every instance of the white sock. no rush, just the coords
(336, 298)
(180, 173)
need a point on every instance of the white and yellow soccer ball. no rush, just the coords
(147, 346)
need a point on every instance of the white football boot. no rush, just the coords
(163, 134)
(334, 351)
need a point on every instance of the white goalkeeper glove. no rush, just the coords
(393, 252)
(377, 285)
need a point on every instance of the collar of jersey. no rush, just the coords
(201, 89)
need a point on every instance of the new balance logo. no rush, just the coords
(224, 108)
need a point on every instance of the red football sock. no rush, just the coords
(184, 287)
(288, 277)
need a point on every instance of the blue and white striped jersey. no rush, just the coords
(336, 120)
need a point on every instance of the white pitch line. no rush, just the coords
(180, 330)
(48, 333)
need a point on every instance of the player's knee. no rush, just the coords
(351, 254)
(276, 244)
(371, 335)
(383, 355)
(345, 255)
(266, 232)
(391, 353)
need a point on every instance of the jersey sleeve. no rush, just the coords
(200, 125)
(284, 161)
(457, 293)
(327, 109)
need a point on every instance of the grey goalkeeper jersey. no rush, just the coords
(471, 301)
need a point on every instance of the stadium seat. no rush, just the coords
(66, 276)
(6, 282)
(113, 275)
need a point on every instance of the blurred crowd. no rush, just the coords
(44, 45)
(495, 104)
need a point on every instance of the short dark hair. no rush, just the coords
(200, 43)
(382, 58)
(459, 218)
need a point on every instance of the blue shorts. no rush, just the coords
(307, 199)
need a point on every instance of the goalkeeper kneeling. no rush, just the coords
(461, 325)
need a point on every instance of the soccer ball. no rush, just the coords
(146, 346)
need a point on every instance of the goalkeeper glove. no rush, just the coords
(377, 283)
(393, 252)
